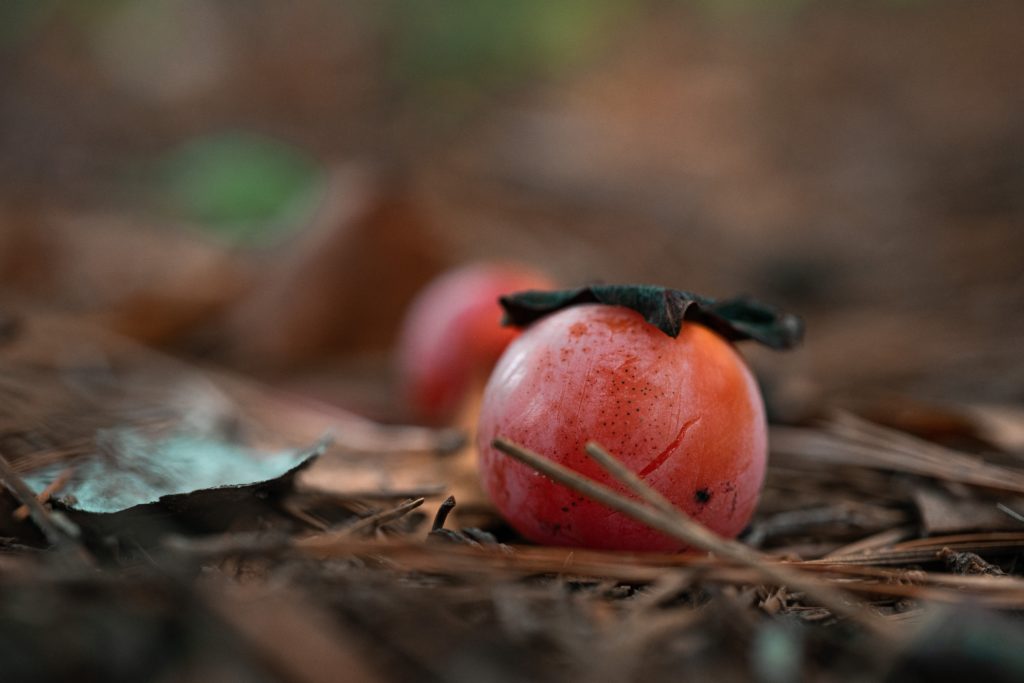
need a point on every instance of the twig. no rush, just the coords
(53, 487)
(293, 509)
(924, 549)
(678, 525)
(875, 541)
(56, 534)
(998, 592)
(384, 517)
(687, 529)
(630, 478)
(851, 441)
(442, 514)
(1011, 512)
(1005, 592)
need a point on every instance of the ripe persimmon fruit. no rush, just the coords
(683, 412)
(452, 335)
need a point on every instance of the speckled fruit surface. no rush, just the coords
(684, 413)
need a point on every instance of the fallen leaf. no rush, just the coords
(134, 469)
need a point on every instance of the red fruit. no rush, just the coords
(684, 413)
(452, 335)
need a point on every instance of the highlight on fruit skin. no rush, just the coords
(683, 412)
(452, 335)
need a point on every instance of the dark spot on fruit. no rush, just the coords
(565, 509)
(702, 496)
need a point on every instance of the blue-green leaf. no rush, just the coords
(133, 469)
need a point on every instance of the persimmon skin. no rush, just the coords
(452, 334)
(684, 413)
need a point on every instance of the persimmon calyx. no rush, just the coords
(735, 319)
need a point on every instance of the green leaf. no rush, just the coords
(135, 470)
(735, 319)
(467, 45)
(241, 186)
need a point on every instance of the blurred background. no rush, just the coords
(266, 185)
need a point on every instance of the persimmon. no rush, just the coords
(683, 412)
(452, 335)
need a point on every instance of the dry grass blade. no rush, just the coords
(925, 549)
(629, 478)
(43, 496)
(376, 520)
(403, 554)
(1010, 511)
(882, 539)
(56, 534)
(869, 581)
(679, 526)
(852, 441)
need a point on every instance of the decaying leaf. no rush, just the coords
(135, 469)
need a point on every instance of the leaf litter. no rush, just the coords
(870, 547)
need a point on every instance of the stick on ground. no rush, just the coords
(669, 520)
